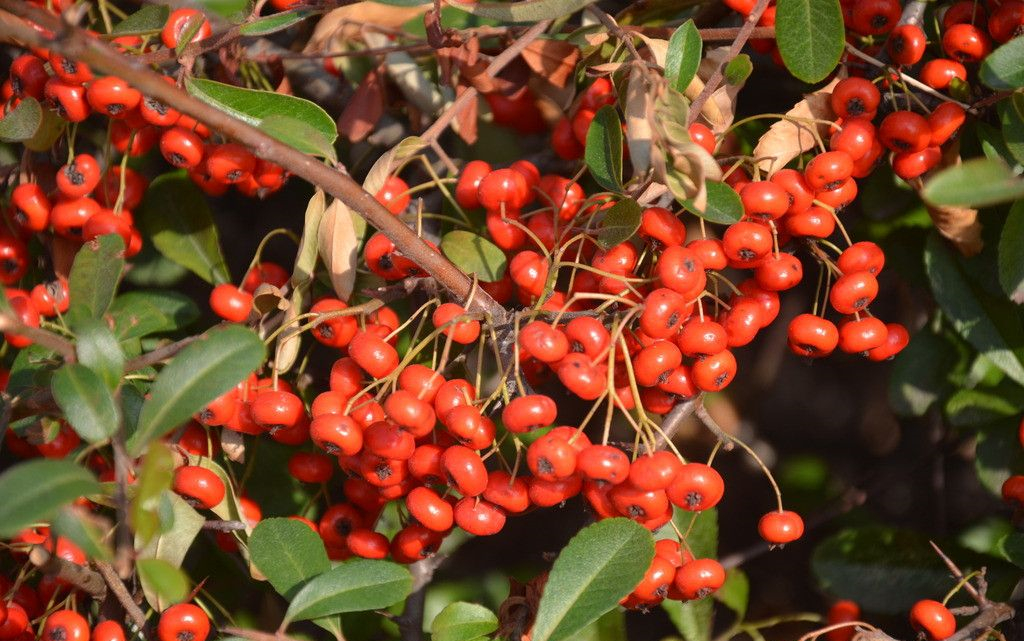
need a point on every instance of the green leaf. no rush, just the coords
(811, 37)
(724, 205)
(174, 213)
(691, 618)
(599, 566)
(288, 553)
(528, 11)
(920, 373)
(619, 224)
(78, 525)
(22, 122)
(461, 621)
(97, 349)
(50, 130)
(975, 183)
(275, 22)
(141, 313)
(1001, 69)
(603, 152)
(474, 254)
(735, 592)
(197, 375)
(34, 490)
(683, 56)
(353, 586)
(235, 10)
(884, 570)
(149, 19)
(998, 455)
(167, 582)
(86, 402)
(1011, 117)
(155, 477)
(150, 268)
(1011, 254)
(94, 276)
(611, 626)
(738, 69)
(975, 407)
(990, 325)
(312, 130)
(1011, 547)
(172, 545)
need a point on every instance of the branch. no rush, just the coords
(77, 44)
(737, 46)
(77, 575)
(64, 347)
(123, 596)
(958, 574)
(674, 420)
(410, 622)
(223, 526)
(159, 354)
(255, 635)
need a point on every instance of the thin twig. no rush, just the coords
(77, 575)
(160, 353)
(674, 420)
(737, 46)
(223, 526)
(13, 325)
(709, 422)
(123, 596)
(500, 62)
(958, 574)
(256, 635)
(910, 80)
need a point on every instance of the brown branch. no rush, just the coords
(224, 526)
(159, 354)
(77, 44)
(64, 347)
(737, 46)
(123, 596)
(410, 622)
(256, 635)
(500, 62)
(674, 420)
(958, 574)
(77, 575)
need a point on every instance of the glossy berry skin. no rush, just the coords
(779, 528)
(201, 487)
(699, 578)
(746, 243)
(14, 259)
(465, 471)
(375, 356)
(429, 509)
(230, 303)
(906, 44)
(603, 464)
(182, 148)
(79, 177)
(178, 22)
(945, 121)
(1006, 21)
(31, 207)
(229, 163)
(108, 630)
(394, 195)
(511, 495)
(336, 433)
(479, 517)
(932, 619)
(812, 336)
(333, 331)
(112, 97)
(696, 487)
(853, 292)
(27, 314)
(714, 373)
(875, 17)
(855, 97)
(842, 612)
(966, 43)
(861, 256)
(939, 73)
(65, 625)
(828, 170)
(274, 409)
(703, 136)
(862, 335)
(1013, 490)
(764, 200)
(905, 131)
(469, 183)
(183, 622)
(462, 332)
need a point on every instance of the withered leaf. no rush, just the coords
(233, 445)
(787, 139)
(553, 60)
(339, 248)
(465, 124)
(639, 113)
(364, 110)
(268, 298)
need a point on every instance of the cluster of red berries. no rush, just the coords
(931, 619)
(26, 604)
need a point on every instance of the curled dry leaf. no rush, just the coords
(305, 259)
(787, 139)
(959, 225)
(233, 445)
(639, 115)
(339, 248)
(268, 298)
(287, 348)
(553, 60)
(657, 47)
(342, 25)
(363, 112)
(720, 109)
(466, 120)
(390, 161)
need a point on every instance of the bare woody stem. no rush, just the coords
(10, 323)
(119, 589)
(77, 44)
(77, 575)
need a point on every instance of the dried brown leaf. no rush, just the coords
(342, 24)
(639, 113)
(960, 226)
(268, 298)
(287, 348)
(657, 47)
(786, 139)
(465, 124)
(364, 110)
(233, 445)
(339, 248)
(553, 60)
(390, 161)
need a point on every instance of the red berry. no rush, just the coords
(779, 528)
(932, 619)
(183, 622)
